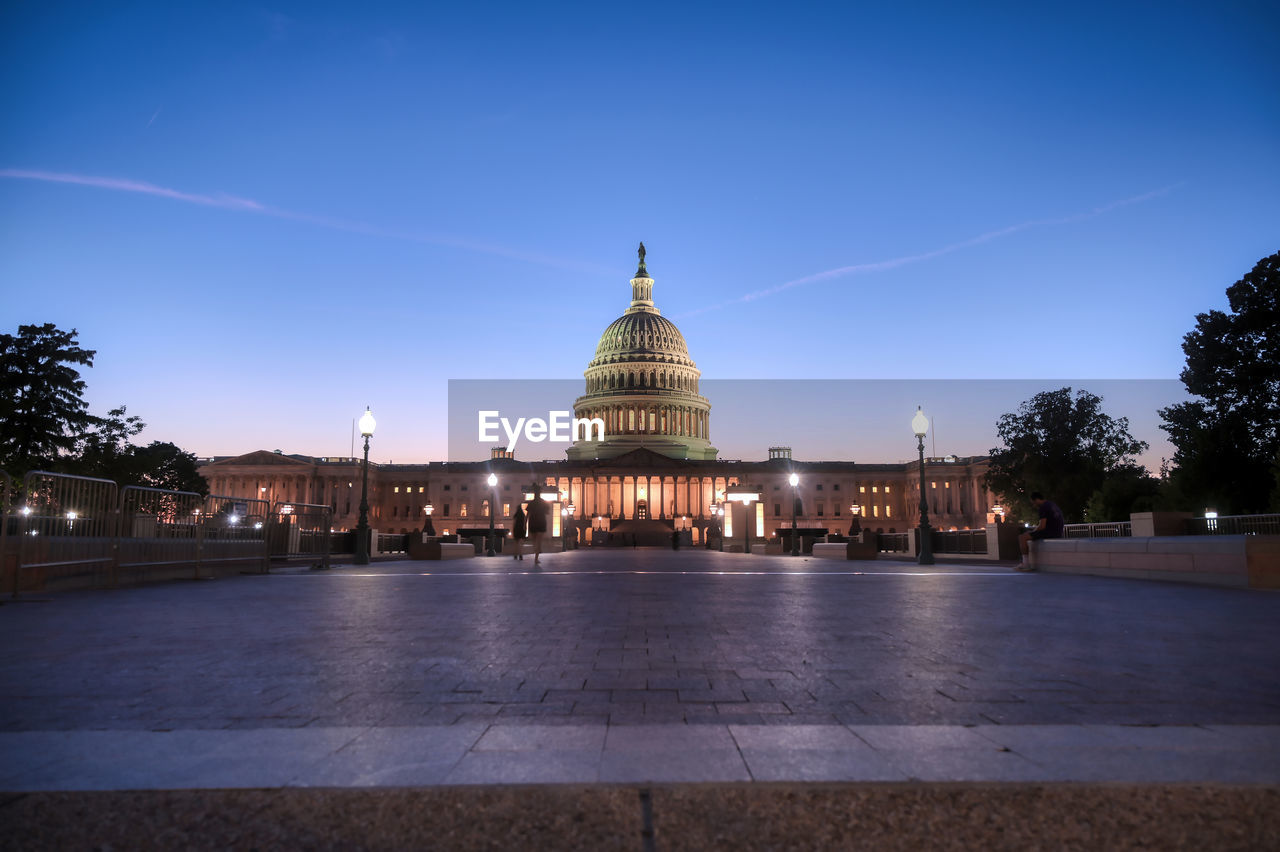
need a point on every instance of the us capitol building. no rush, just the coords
(654, 470)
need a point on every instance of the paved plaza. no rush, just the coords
(637, 666)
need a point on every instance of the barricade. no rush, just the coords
(234, 532)
(68, 527)
(8, 561)
(160, 534)
(302, 530)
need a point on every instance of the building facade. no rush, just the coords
(653, 469)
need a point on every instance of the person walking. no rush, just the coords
(519, 532)
(537, 519)
(1050, 526)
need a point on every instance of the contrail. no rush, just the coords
(231, 202)
(154, 117)
(894, 263)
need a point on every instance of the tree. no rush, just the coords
(41, 405)
(1061, 447)
(164, 465)
(1127, 489)
(1226, 442)
(104, 450)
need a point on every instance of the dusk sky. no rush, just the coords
(264, 218)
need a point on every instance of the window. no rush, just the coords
(836, 487)
(447, 487)
(886, 489)
(875, 511)
(875, 489)
(462, 488)
(777, 510)
(819, 486)
(397, 489)
(820, 510)
(446, 512)
(506, 510)
(862, 489)
(835, 509)
(395, 510)
(421, 489)
(462, 510)
(888, 511)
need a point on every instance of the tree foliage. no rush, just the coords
(1226, 442)
(1063, 447)
(42, 411)
(45, 422)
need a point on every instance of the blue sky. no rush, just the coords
(266, 217)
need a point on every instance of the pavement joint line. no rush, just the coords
(969, 573)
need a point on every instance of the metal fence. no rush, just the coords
(8, 561)
(893, 542)
(960, 541)
(69, 526)
(77, 530)
(1235, 525)
(301, 530)
(393, 542)
(1119, 529)
(234, 532)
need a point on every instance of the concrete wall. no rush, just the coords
(1241, 561)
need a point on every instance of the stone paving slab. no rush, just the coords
(639, 667)
(538, 754)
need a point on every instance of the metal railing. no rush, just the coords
(960, 541)
(1118, 529)
(1235, 525)
(69, 527)
(234, 530)
(392, 542)
(301, 530)
(893, 542)
(158, 529)
(8, 562)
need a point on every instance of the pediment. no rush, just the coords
(259, 458)
(644, 459)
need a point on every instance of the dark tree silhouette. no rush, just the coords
(42, 410)
(1062, 447)
(1227, 450)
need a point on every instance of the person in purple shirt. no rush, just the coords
(1050, 526)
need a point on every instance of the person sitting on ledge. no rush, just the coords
(1050, 526)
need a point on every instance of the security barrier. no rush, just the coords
(8, 561)
(302, 530)
(160, 532)
(80, 531)
(69, 527)
(235, 532)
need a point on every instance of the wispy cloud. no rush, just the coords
(154, 116)
(228, 202)
(231, 202)
(894, 263)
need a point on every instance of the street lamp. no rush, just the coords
(362, 525)
(920, 426)
(429, 528)
(493, 498)
(855, 525)
(795, 536)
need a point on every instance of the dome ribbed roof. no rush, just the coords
(642, 335)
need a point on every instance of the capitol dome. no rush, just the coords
(643, 385)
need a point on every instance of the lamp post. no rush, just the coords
(362, 525)
(427, 527)
(795, 536)
(855, 525)
(920, 426)
(493, 499)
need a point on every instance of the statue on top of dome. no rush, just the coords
(641, 270)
